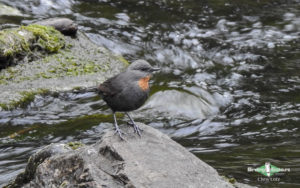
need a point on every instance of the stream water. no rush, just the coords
(229, 89)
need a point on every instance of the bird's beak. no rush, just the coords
(155, 69)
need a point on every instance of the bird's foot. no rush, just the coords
(136, 128)
(120, 133)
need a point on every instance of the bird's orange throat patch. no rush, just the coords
(144, 83)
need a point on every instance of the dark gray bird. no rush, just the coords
(128, 91)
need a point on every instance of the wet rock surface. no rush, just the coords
(65, 25)
(9, 11)
(81, 64)
(151, 161)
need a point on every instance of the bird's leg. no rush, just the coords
(135, 126)
(118, 130)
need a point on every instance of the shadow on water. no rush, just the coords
(228, 90)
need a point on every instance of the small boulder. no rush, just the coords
(65, 25)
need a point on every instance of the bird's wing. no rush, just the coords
(110, 87)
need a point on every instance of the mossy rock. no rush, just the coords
(18, 43)
(26, 97)
(80, 64)
(47, 37)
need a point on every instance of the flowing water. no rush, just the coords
(229, 89)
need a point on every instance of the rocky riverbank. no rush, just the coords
(43, 61)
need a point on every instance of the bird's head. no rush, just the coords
(142, 66)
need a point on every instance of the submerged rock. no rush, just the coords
(151, 161)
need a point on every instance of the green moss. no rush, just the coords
(121, 58)
(18, 42)
(70, 66)
(48, 37)
(69, 46)
(26, 98)
(77, 88)
(230, 180)
(9, 74)
(4, 107)
(64, 184)
(12, 43)
(75, 145)
(3, 80)
(93, 119)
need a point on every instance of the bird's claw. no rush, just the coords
(120, 133)
(136, 128)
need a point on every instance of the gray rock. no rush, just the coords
(9, 11)
(37, 159)
(151, 161)
(65, 25)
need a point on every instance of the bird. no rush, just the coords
(128, 91)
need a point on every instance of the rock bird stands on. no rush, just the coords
(127, 91)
